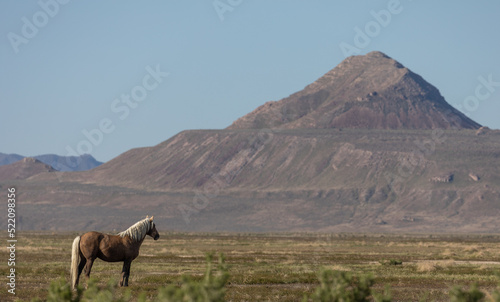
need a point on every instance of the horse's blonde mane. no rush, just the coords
(138, 231)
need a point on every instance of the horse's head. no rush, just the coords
(152, 230)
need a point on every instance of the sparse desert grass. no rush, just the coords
(431, 266)
(426, 266)
(274, 267)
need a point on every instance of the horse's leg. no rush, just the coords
(128, 273)
(83, 261)
(125, 273)
(88, 268)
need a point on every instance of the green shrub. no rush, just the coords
(60, 291)
(107, 294)
(457, 294)
(495, 295)
(210, 289)
(343, 287)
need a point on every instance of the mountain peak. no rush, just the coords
(365, 91)
(377, 54)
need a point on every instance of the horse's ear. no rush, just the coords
(151, 219)
(147, 216)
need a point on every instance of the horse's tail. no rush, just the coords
(75, 257)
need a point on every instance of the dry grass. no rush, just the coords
(427, 266)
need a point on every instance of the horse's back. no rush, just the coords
(91, 237)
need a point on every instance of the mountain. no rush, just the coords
(363, 92)
(6, 159)
(349, 180)
(70, 163)
(60, 163)
(23, 169)
(367, 92)
(313, 170)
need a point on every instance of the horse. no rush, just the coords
(111, 248)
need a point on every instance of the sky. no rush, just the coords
(103, 77)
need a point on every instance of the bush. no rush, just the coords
(108, 294)
(341, 286)
(210, 289)
(60, 291)
(457, 294)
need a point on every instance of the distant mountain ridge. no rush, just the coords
(59, 163)
(7, 159)
(370, 91)
(23, 169)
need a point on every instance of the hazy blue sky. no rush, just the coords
(66, 68)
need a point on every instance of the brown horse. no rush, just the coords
(111, 248)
